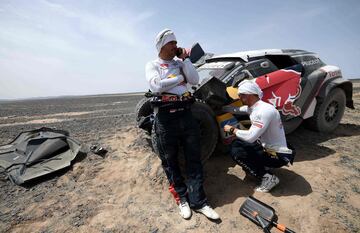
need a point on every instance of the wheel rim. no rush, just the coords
(332, 111)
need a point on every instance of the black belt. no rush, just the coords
(170, 109)
(168, 99)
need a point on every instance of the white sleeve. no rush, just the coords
(191, 75)
(257, 128)
(156, 83)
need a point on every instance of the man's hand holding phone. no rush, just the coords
(182, 53)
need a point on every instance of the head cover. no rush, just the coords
(163, 38)
(249, 87)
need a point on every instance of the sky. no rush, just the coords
(54, 48)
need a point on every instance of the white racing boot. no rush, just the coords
(208, 212)
(268, 182)
(185, 210)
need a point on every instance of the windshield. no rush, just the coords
(215, 69)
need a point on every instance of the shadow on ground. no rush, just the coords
(225, 182)
(291, 184)
(310, 141)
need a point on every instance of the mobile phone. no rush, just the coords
(179, 51)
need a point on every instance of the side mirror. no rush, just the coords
(239, 77)
(196, 53)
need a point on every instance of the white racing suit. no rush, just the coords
(264, 144)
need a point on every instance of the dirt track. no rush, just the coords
(127, 191)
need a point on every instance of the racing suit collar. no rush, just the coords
(255, 105)
(165, 61)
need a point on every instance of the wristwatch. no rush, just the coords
(232, 130)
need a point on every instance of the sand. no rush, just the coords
(127, 190)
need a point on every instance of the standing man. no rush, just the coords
(264, 145)
(174, 123)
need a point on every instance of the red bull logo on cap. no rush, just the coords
(281, 88)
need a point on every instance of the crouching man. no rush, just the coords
(263, 146)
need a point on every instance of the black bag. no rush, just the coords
(36, 153)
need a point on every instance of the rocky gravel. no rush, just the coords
(127, 191)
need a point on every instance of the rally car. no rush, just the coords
(297, 82)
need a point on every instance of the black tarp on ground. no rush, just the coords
(37, 153)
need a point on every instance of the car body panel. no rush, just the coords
(291, 80)
(282, 98)
(227, 119)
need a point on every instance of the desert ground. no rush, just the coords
(127, 190)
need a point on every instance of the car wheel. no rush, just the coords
(328, 113)
(143, 109)
(209, 132)
(154, 144)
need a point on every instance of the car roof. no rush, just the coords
(245, 55)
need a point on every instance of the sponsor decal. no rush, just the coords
(164, 65)
(258, 124)
(216, 65)
(227, 119)
(169, 98)
(281, 88)
(334, 73)
(311, 62)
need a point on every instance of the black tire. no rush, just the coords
(209, 132)
(328, 113)
(154, 141)
(143, 109)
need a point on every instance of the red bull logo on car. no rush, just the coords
(281, 88)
